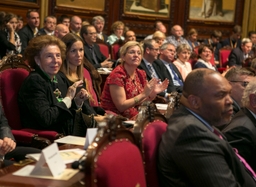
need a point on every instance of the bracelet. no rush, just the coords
(136, 100)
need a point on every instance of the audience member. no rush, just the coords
(49, 26)
(75, 25)
(126, 87)
(192, 38)
(252, 37)
(253, 65)
(182, 64)
(8, 148)
(20, 23)
(9, 39)
(192, 151)
(92, 49)
(214, 42)
(98, 22)
(205, 55)
(117, 28)
(238, 78)
(158, 26)
(85, 22)
(129, 36)
(64, 19)
(166, 57)
(159, 37)
(234, 40)
(239, 55)
(30, 30)
(2, 15)
(61, 30)
(241, 132)
(42, 102)
(176, 39)
(72, 69)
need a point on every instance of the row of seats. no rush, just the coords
(118, 157)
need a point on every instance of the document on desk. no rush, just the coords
(161, 106)
(71, 140)
(67, 155)
(45, 173)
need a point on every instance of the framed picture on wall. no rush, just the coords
(156, 8)
(98, 5)
(212, 10)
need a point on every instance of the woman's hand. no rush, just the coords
(149, 87)
(9, 27)
(81, 96)
(158, 88)
(72, 89)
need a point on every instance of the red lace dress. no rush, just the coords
(132, 88)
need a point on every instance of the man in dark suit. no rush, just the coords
(166, 57)
(234, 41)
(238, 78)
(92, 50)
(8, 149)
(30, 30)
(238, 55)
(49, 26)
(98, 22)
(241, 132)
(192, 151)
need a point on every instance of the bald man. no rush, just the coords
(75, 25)
(176, 38)
(192, 151)
(61, 30)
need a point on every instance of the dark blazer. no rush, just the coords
(191, 155)
(26, 34)
(41, 32)
(241, 134)
(199, 64)
(5, 44)
(105, 37)
(236, 57)
(100, 57)
(227, 42)
(39, 107)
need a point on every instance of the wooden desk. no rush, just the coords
(9, 180)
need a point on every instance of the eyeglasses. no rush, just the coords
(243, 83)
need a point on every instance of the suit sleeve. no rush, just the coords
(202, 160)
(232, 59)
(24, 40)
(5, 130)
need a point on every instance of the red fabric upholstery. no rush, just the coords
(223, 57)
(115, 50)
(89, 86)
(152, 135)
(120, 165)
(104, 49)
(10, 83)
(23, 137)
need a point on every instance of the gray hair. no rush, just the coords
(246, 40)
(249, 89)
(165, 45)
(183, 47)
(95, 18)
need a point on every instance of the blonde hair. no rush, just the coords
(158, 35)
(116, 24)
(128, 45)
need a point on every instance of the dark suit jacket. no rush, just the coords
(191, 155)
(105, 37)
(100, 57)
(26, 34)
(236, 57)
(41, 32)
(226, 42)
(241, 134)
(161, 72)
(5, 44)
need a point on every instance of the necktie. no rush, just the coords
(176, 76)
(246, 165)
(152, 73)
(94, 56)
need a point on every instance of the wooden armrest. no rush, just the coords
(40, 142)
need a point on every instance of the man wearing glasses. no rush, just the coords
(241, 131)
(239, 78)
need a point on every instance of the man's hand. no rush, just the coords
(6, 145)
(107, 63)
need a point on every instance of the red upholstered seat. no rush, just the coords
(104, 49)
(11, 78)
(114, 50)
(223, 57)
(89, 86)
(113, 160)
(152, 136)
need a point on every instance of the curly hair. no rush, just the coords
(37, 44)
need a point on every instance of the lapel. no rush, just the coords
(88, 54)
(249, 115)
(143, 66)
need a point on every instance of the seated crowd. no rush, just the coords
(210, 138)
